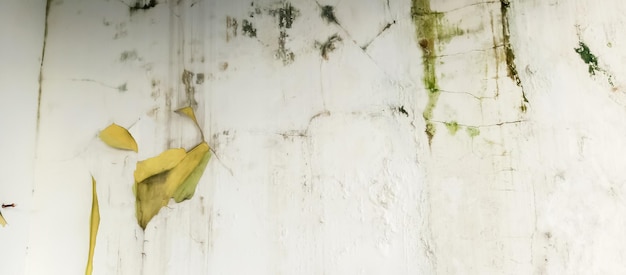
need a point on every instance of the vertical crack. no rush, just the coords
(40, 79)
(508, 51)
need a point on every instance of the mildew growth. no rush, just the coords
(426, 24)
(328, 14)
(472, 131)
(452, 126)
(247, 28)
(285, 14)
(142, 5)
(190, 90)
(328, 46)
(283, 53)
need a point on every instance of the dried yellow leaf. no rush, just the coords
(155, 192)
(159, 164)
(3, 222)
(188, 111)
(93, 226)
(118, 137)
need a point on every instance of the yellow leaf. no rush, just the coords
(118, 137)
(188, 111)
(3, 222)
(155, 192)
(159, 164)
(93, 226)
(150, 197)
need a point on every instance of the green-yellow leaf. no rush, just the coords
(186, 190)
(159, 164)
(93, 226)
(154, 192)
(118, 137)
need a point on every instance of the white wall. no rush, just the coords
(322, 162)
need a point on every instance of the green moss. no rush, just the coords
(453, 127)
(587, 57)
(592, 62)
(473, 131)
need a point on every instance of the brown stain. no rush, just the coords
(231, 28)
(190, 90)
(223, 66)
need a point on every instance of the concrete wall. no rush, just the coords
(350, 137)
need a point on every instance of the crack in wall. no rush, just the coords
(508, 52)
(40, 81)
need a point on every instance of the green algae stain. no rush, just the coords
(473, 131)
(431, 30)
(453, 127)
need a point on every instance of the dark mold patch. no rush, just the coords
(247, 28)
(328, 14)
(285, 14)
(403, 111)
(254, 10)
(199, 78)
(282, 53)
(508, 52)
(129, 56)
(122, 88)
(143, 5)
(328, 46)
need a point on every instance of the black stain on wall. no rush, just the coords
(247, 28)
(328, 14)
(283, 53)
(143, 5)
(285, 14)
(328, 46)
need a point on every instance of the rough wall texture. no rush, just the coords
(350, 137)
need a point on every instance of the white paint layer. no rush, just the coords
(322, 163)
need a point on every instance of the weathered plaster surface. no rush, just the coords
(350, 137)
